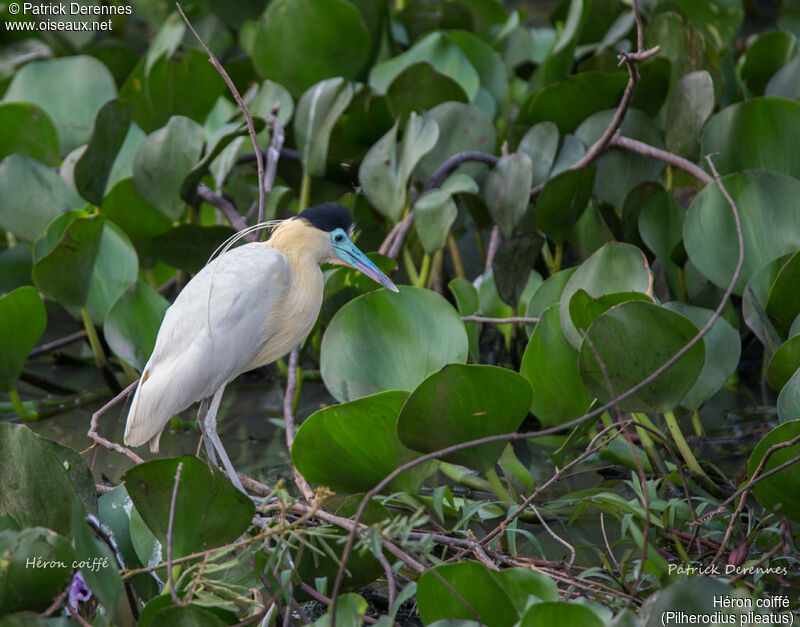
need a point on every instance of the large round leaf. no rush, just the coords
(132, 323)
(550, 364)
(723, 349)
(384, 341)
(690, 104)
(23, 319)
(765, 55)
(563, 614)
(784, 362)
(761, 134)
(783, 300)
(507, 190)
(29, 130)
(562, 200)
(770, 225)
(209, 511)
(327, 38)
(420, 87)
(754, 303)
(778, 492)
(789, 399)
(462, 403)
(353, 446)
(616, 267)
(696, 596)
(630, 350)
(70, 90)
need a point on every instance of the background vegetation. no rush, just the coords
(582, 404)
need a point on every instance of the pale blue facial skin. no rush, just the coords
(348, 252)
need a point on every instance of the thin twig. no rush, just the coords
(674, 160)
(93, 425)
(555, 536)
(234, 217)
(236, 96)
(288, 417)
(170, 578)
(56, 344)
(453, 163)
(494, 244)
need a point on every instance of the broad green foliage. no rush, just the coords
(23, 319)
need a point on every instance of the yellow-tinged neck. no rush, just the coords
(300, 242)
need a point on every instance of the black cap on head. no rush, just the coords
(328, 217)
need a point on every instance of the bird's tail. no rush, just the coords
(150, 411)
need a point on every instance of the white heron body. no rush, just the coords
(254, 287)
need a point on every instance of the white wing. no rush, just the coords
(194, 355)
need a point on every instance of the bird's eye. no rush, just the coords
(338, 237)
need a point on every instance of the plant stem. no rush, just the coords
(455, 256)
(481, 245)
(685, 450)
(411, 269)
(559, 252)
(94, 340)
(305, 192)
(498, 488)
(698, 426)
(648, 444)
(422, 279)
(548, 258)
(16, 403)
(130, 373)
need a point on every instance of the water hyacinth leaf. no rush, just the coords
(562, 201)
(583, 309)
(189, 246)
(616, 267)
(540, 143)
(184, 616)
(719, 20)
(789, 399)
(776, 493)
(783, 301)
(330, 37)
(754, 303)
(64, 273)
(723, 349)
(24, 182)
(123, 164)
(70, 90)
(620, 171)
(349, 609)
(521, 583)
(149, 550)
(783, 363)
(27, 129)
(755, 134)
(384, 341)
(209, 511)
(102, 575)
(560, 59)
(419, 87)
(23, 588)
(269, 95)
(547, 294)
(462, 403)
(572, 150)
(114, 511)
(513, 265)
(466, 297)
(132, 323)
(166, 41)
(462, 127)
(434, 214)
(660, 225)
(162, 162)
(38, 490)
(481, 588)
(623, 339)
(688, 108)
(94, 167)
(767, 53)
(695, 595)
(492, 305)
(353, 446)
(436, 50)
(770, 226)
(587, 93)
(23, 319)
(317, 112)
(785, 83)
(15, 267)
(567, 614)
(385, 170)
(507, 190)
(486, 61)
(550, 364)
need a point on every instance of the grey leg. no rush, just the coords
(201, 415)
(210, 422)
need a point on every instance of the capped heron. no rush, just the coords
(245, 309)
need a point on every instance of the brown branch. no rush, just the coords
(494, 245)
(56, 344)
(633, 145)
(93, 425)
(229, 211)
(170, 578)
(236, 96)
(288, 417)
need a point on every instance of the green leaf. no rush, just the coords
(353, 446)
(329, 37)
(507, 190)
(562, 201)
(549, 293)
(132, 323)
(789, 399)
(23, 319)
(33, 589)
(719, 20)
(486, 61)
(419, 87)
(754, 303)
(462, 127)
(620, 171)
(550, 364)
(27, 129)
(162, 162)
(616, 267)
(15, 267)
(269, 94)
(623, 339)
(349, 609)
(101, 572)
(785, 83)
(64, 273)
(723, 349)
(114, 511)
(770, 225)
(460, 403)
(765, 55)
(434, 49)
(94, 167)
(209, 511)
(185, 616)
(696, 596)
(564, 614)
(784, 362)
(189, 246)
(166, 41)
(755, 134)
(688, 108)
(583, 309)
(520, 583)
(475, 584)
(540, 143)
(384, 341)
(386, 168)
(70, 90)
(783, 301)
(587, 93)
(317, 112)
(24, 182)
(434, 214)
(466, 297)
(559, 61)
(37, 489)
